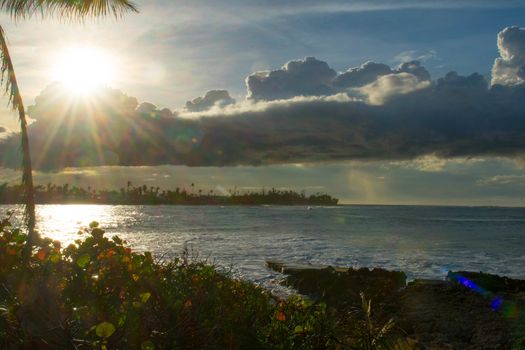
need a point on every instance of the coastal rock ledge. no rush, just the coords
(467, 310)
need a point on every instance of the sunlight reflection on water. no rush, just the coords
(62, 222)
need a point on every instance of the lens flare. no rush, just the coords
(508, 308)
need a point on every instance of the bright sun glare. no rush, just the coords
(82, 69)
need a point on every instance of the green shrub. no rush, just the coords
(98, 293)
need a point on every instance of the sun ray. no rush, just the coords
(61, 116)
(93, 132)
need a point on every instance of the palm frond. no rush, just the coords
(69, 9)
(8, 80)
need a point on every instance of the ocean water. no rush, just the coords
(425, 242)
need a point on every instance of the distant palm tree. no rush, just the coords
(68, 9)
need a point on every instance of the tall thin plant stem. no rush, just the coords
(8, 79)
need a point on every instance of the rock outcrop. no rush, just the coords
(340, 286)
(468, 310)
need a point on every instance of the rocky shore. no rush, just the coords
(467, 310)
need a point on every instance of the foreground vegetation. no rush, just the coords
(62, 194)
(98, 293)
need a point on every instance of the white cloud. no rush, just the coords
(5, 132)
(500, 180)
(249, 106)
(391, 85)
(416, 55)
(509, 69)
(431, 163)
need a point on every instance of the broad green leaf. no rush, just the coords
(93, 224)
(144, 297)
(105, 330)
(137, 260)
(97, 233)
(83, 260)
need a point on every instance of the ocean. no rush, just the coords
(423, 241)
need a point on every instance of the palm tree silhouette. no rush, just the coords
(20, 9)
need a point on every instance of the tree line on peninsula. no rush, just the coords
(66, 194)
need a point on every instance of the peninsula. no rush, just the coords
(66, 194)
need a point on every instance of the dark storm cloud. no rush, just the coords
(457, 117)
(363, 75)
(415, 68)
(308, 77)
(292, 115)
(212, 98)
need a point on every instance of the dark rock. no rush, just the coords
(429, 282)
(292, 268)
(340, 287)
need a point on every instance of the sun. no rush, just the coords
(83, 69)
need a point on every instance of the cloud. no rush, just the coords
(292, 115)
(427, 163)
(360, 76)
(312, 77)
(219, 98)
(509, 69)
(416, 55)
(415, 68)
(55, 103)
(452, 81)
(146, 108)
(456, 117)
(5, 132)
(307, 77)
(391, 85)
(430, 163)
(502, 180)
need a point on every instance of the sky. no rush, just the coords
(364, 133)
